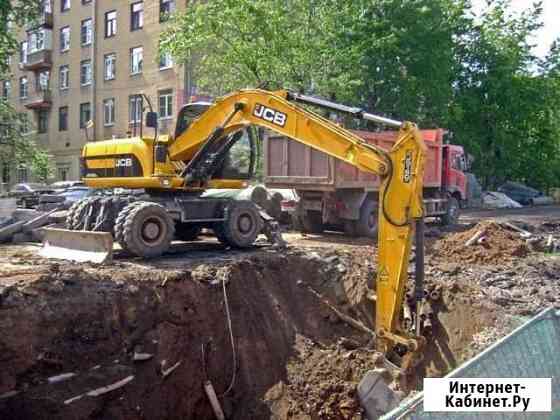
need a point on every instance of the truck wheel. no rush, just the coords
(187, 231)
(452, 214)
(118, 229)
(350, 228)
(312, 222)
(242, 226)
(148, 230)
(366, 225)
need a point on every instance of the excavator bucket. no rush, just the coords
(77, 245)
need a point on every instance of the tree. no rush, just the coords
(17, 146)
(242, 43)
(430, 61)
(501, 110)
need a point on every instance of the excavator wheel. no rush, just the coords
(187, 231)
(242, 226)
(312, 222)
(69, 223)
(118, 229)
(75, 220)
(148, 230)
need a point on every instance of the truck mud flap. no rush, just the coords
(77, 245)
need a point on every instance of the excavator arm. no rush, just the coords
(400, 170)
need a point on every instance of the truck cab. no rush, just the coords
(455, 164)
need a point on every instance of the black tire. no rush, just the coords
(69, 223)
(451, 216)
(312, 222)
(79, 213)
(366, 225)
(350, 228)
(148, 230)
(118, 229)
(242, 226)
(187, 231)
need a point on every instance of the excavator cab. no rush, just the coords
(238, 159)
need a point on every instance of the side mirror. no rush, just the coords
(151, 119)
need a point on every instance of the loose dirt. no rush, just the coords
(158, 329)
(496, 244)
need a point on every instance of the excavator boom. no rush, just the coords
(401, 170)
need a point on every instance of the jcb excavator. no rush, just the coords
(205, 152)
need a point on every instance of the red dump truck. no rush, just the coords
(335, 195)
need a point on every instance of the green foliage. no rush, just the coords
(17, 146)
(430, 61)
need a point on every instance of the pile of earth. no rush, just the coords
(496, 244)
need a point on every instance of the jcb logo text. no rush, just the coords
(270, 115)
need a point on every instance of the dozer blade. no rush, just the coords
(77, 245)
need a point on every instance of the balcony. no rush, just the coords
(39, 60)
(45, 20)
(39, 99)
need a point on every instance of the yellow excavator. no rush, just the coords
(172, 174)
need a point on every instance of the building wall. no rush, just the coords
(65, 145)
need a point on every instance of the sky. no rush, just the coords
(551, 29)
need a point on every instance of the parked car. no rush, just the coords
(521, 193)
(65, 198)
(60, 185)
(28, 194)
(76, 193)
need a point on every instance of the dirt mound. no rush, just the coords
(490, 243)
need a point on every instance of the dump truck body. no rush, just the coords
(339, 192)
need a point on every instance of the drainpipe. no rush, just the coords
(94, 69)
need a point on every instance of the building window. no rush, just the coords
(63, 173)
(43, 121)
(136, 16)
(109, 111)
(85, 73)
(86, 32)
(63, 118)
(110, 66)
(166, 104)
(21, 174)
(63, 77)
(46, 6)
(165, 61)
(42, 80)
(136, 60)
(110, 23)
(166, 7)
(23, 88)
(86, 1)
(135, 108)
(36, 41)
(23, 52)
(85, 114)
(6, 89)
(64, 5)
(65, 38)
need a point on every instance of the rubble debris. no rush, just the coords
(166, 372)
(105, 389)
(60, 378)
(211, 394)
(501, 244)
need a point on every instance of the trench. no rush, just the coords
(293, 357)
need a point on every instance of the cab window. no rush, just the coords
(239, 159)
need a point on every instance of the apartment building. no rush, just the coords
(91, 60)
